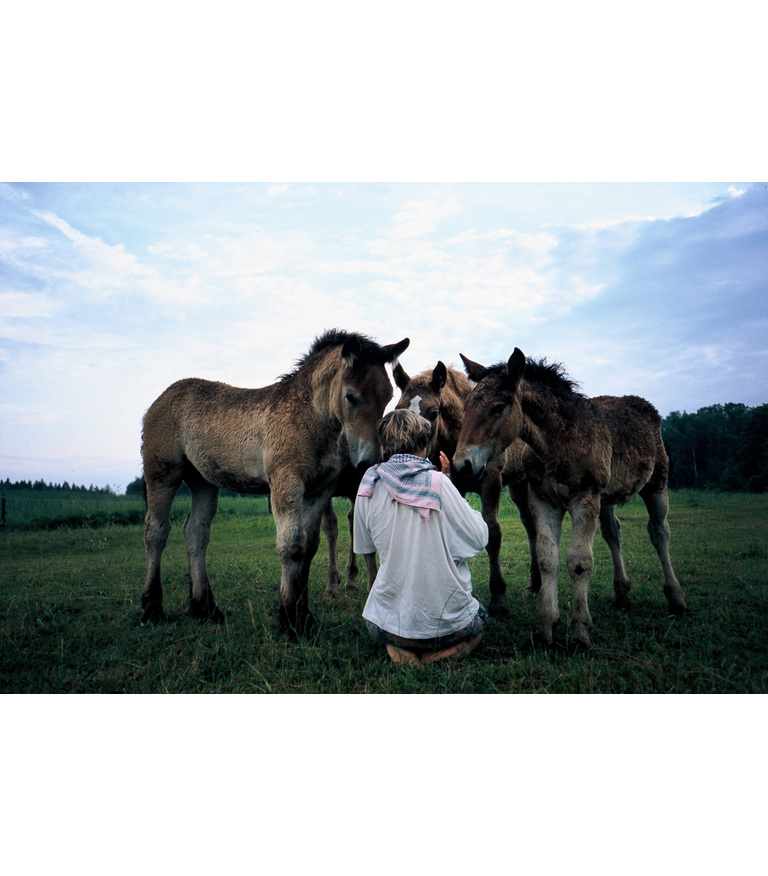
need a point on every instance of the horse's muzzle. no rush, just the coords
(363, 454)
(471, 463)
(466, 471)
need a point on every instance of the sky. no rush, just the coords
(110, 292)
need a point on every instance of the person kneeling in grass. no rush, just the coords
(421, 604)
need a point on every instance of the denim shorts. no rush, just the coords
(471, 631)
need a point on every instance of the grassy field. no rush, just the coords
(70, 606)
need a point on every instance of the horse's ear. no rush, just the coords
(515, 368)
(401, 378)
(439, 376)
(350, 352)
(392, 352)
(473, 369)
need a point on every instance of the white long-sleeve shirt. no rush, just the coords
(423, 588)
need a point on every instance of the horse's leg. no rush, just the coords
(548, 522)
(519, 495)
(312, 523)
(490, 494)
(291, 544)
(197, 535)
(657, 503)
(157, 527)
(580, 562)
(371, 568)
(298, 524)
(352, 570)
(330, 526)
(610, 529)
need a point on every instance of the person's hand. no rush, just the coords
(445, 464)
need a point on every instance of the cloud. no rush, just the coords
(418, 218)
(26, 305)
(10, 245)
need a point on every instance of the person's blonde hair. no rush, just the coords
(403, 431)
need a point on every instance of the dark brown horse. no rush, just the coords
(346, 487)
(283, 439)
(438, 395)
(584, 456)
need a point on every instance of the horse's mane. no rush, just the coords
(551, 375)
(370, 350)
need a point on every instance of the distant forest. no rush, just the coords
(721, 447)
(41, 486)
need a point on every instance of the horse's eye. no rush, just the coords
(432, 415)
(353, 400)
(498, 409)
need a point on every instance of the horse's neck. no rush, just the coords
(533, 436)
(542, 420)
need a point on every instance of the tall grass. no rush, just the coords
(70, 608)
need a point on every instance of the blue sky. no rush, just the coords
(110, 292)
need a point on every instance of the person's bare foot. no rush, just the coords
(460, 650)
(400, 655)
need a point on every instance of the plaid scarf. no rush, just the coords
(410, 480)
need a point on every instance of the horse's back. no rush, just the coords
(218, 429)
(638, 455)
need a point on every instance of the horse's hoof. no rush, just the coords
(295, 627)
(622, 603)
(331, 594)
(152, 614)
(206, 611)
(351, 587)
(578, 646)
(498, 608)
(540, 644)
(679, 611)
(215, 617)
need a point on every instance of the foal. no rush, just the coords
(283, 439)
(584, 456)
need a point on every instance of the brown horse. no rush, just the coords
(346, 487)
(438, 396)
(584, 456)
(283, 438)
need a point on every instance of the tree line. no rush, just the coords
(720, 447)
(41, 486)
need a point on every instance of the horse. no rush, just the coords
(584, 456)
(438, 396)
(346, 488)
(283, 439)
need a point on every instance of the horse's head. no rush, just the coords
(422, 394)
(493, 415)
(364, 393)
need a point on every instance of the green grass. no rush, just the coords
(55, 509)
(70, 607)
